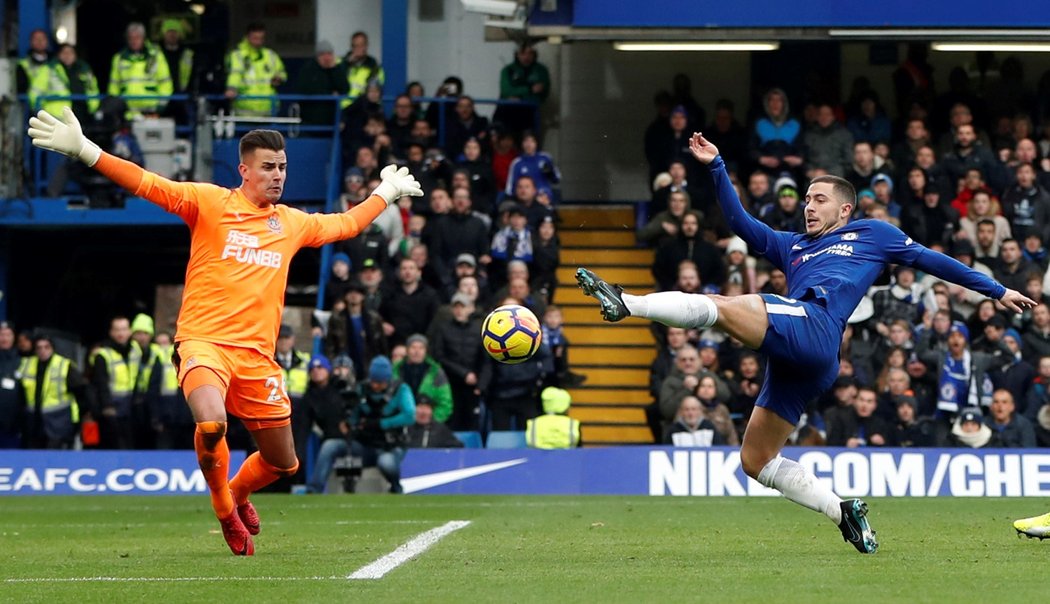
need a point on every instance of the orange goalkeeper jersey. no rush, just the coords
(239, 252)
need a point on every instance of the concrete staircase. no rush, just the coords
(615, 357)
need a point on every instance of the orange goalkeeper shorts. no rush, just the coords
(252, 385)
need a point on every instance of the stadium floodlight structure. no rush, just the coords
(497, 8)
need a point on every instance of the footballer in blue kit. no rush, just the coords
(829, 268)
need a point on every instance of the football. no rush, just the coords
(511, 334)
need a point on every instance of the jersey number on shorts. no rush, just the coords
(277, 389)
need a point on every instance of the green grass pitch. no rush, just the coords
(536, 549)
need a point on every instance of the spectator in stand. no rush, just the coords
(364, 125)
(900, 301)
(354, 190)
(968, 154)
(321, 76)
(776, 137)
(870, 124)
(114, 368)
(1017, 374)
(528, 80)
(554, 338)
(464, 125)
(449, 91)
(932, 222)
(457, 346)
(1038, 392)
(661, 367)
(688, 278)
(882, 185)
(253, 70)
(912, 194)
(690, 428)
(857, 425)
(688, 245)
(429, 434)
(1037, 337)
(732, 137)
(11, 396)
(34, 76)
(787, 215)
(1035, 252)
(982, 206)
(962, 300)
(423, 133)
(962, 373)
(658, 131)
(912, 429)
(740, 268)
(339, 281)
(969, 431)
(892, 390)
(408, 307)
(361, 68)
(935, 174)
(536, 164)
(73, 77)
(1013, 429)
(385, 409)
(429, 274)
(916, 136)
(399, 125)
(666, 225)
(1013, 270)
(482, 181)
(546, 256)
(865, 165)
(716, 411)
(987, 244)
(424, 376)
(450, 234)
(683, 381)
(1026, 205)
(355, 330)
(960, 115)
(536, 202)
(760, 195)
(512, 242)
(679, 182)
(829, 146)
(139, 69)
(325, 410)
(54, 391)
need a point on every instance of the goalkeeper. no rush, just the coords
(241, 246)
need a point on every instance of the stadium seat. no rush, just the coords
(470, 440)
(505, 440)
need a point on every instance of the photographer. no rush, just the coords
(325, 404)
(385, 407)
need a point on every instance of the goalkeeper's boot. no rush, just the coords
(236, 535)
(249, 517)
(1036, 527)
(855, 528)
(610, 296)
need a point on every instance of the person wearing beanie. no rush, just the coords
(970, 431)
(385, 408)
(554, 429)
(339, 282)
(425, 376)
(323, 406)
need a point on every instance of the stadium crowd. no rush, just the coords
(965, 172)
(923, 363)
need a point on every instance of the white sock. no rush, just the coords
(801, 486)
(676, 309)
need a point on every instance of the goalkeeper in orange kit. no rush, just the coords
(241, 245)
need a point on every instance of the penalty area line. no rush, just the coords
(406, 551)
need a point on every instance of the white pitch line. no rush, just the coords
(405, 552)
(161, 579)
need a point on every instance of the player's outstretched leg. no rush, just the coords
(676, 309)
(1036, 527)
(213, 456)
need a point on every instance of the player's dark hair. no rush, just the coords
(841, 188)
(261, 139)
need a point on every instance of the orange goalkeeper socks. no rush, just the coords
(255, 474)
(213, 455)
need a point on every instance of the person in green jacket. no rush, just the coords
(526, 79)
(425, 376)
(140, 70)
(324, 75)
(253, 70)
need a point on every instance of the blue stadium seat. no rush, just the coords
(470, 440)
(505, 440)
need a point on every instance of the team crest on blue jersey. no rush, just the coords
(274, 223)
(849, 236)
